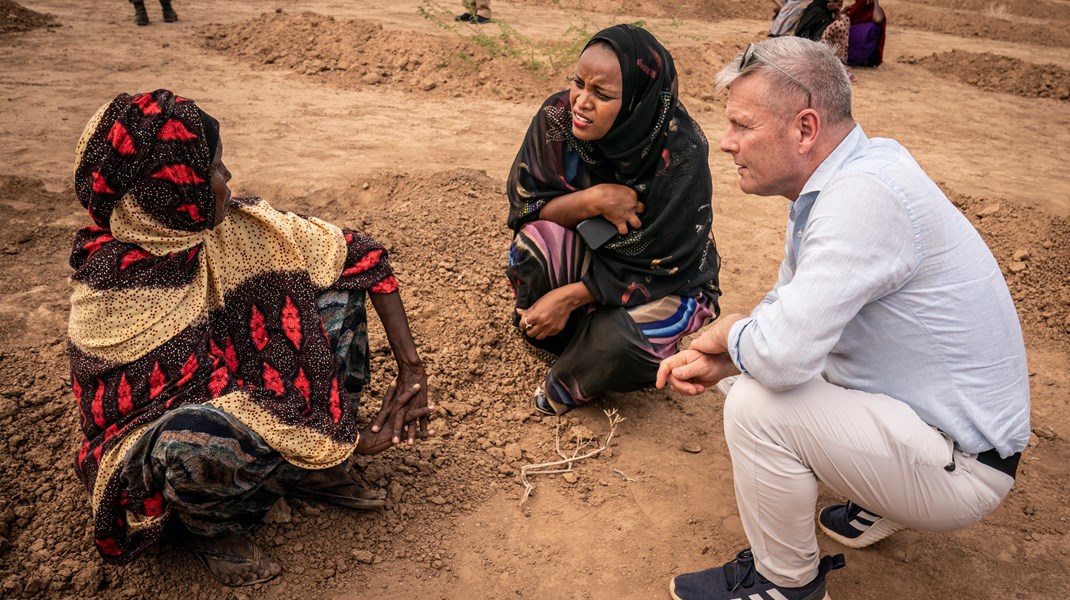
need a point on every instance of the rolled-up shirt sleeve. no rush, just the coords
(733, 342)
(857, 245)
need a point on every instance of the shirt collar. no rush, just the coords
(832, 163)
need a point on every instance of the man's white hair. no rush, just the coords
(796, 65)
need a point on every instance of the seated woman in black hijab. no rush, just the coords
(615, 153)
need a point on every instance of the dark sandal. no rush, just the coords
(542, 402)
(211, 559)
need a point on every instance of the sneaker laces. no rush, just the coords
(851, 510)
(741, 573)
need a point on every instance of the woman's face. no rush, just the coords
(220, 176)
(595, 96)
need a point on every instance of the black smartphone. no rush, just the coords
(596, 231)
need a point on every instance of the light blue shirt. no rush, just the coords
(887, 288)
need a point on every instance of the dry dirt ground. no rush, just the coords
(404, 125)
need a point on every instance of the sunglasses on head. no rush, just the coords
(748, 57)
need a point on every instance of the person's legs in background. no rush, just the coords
(141, 14)
(169, 14)
(476, 11)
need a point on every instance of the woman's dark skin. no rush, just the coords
(404, 409)
(219, 177)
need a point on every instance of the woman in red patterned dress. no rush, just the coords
(218, 346)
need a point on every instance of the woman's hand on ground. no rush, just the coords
(374, 442)
(620, 205)
(416, 374)
(406, 394)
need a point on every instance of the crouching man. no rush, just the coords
(886, 362)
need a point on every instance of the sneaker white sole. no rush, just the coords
(876, 532)
(672, 592)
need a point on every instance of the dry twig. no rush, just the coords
(566, 463)
(997, 11)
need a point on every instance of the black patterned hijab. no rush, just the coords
(648, 99)
(655, 148)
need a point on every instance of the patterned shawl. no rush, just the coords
(167, 311)
(655, 148)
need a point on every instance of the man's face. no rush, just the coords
(763, 144)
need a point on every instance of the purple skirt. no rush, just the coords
(864, 45)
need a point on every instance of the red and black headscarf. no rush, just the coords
(158, 146)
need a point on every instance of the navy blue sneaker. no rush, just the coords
(854, 526)
(739, 580)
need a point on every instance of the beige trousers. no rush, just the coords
(869, 448)
(482, 7)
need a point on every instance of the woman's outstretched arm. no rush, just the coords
(408, 393)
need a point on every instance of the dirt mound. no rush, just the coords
(989, 24)
(697, 66)
(999, 73)
(1036, 9)
(15, 17)
(33, 238)
(1029, 245)
(353, 53)
(706, 10)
